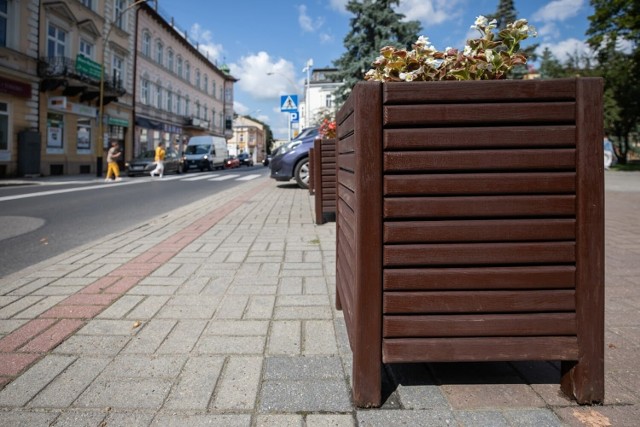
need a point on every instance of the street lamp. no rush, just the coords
(295, 92)
(101, 99)
(307, 114)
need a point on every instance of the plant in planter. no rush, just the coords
(469, 215)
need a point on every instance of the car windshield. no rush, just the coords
(306, 133)
(197, 149)
(147, 154)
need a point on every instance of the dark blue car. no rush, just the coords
(291, 160)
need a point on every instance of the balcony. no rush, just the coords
(78, 77)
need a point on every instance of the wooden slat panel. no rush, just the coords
(345, 145)
(403, 350)
(485, 206)
(480, 183)
(347, 244)
(547, 159)
(344, 192)
(474, 114)
(529, 277)
(477, 325)
(478, 301)
(479, 230)
(478, 91)
(479, 137)
(479, 253)
(347, 162)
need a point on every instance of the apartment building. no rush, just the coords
(249, 136)
(319, 96)
(19, 84)
(179, 91)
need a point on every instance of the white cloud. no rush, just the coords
(307, 23)
(548, 31)
(563, 49)
(430, 12)
(558, 10)
(204, 39)
(339, 5)
(252, 72)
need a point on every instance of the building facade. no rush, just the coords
(319, 97)
(19, 83)
(249, 136)
(179, 92)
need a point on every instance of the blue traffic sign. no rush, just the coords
(295, 117)
(288, 103)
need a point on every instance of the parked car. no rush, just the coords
(266, 160)
(205, 152)
(231, 162)
(245, 159)
(145, 163)
(292, 159)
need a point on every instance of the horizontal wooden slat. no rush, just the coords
(404, 350)
(479, 137)
(478, 253)
(480, 183)
(476, 160)
(529, 277)
(478, 301)
(347, 162)
(478, 91)
(474, 114)
(344, 192)
(479, 230)
(347, 244)
(483, 206)
(345, 145)
(479, 325)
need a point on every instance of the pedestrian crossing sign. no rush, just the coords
(288, 103)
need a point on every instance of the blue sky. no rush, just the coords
(256, 37)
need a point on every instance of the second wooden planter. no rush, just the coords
(324, 178)
(470, 227)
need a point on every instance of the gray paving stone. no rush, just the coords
(237, 328)
(129, 419)
(416, 388)
(302, 300)
(238, 385)
(294, 368)
(196, 384)
(154, 290)
(260, 307)
(193, 285)
(148, 307)
(290, 286)
(109, 327)
(80, 419)
(232, 307)
(329, 420)
(141, 366)
(240, 420)
(16, 307)
(26, 386)
(138, 393)
(392, 418)
(187, 311)
(121, 307)
(8, 326)
(108, 345)
(285, 338)
(183, 337)
(40, 307)
(279, 421)
(18, 417)
(481, 419)
(533, 418)
(319, 337)
(66, 388)
(301, 313)
(305, 396)
(150, 337)
(211, 344)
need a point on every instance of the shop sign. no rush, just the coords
(61, 103)
(13, 87)
(88, 67)
(115, 121)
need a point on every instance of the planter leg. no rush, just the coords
(338, 302)
(583, 381)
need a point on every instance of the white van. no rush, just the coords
(205, 152)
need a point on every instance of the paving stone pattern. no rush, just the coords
(222, 313)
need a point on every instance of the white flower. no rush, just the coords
(423, 41)
(467, 50)
(481, 21)
(489, 54)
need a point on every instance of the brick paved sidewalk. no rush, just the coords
(222, 313)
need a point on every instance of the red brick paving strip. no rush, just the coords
(31, 342)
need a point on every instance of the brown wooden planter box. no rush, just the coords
(311, 184)
(324, 178)
(470, 227)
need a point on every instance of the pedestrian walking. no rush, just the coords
(608, 152)
(159, 159)
(113, 155)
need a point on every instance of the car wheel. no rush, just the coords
(301, 173)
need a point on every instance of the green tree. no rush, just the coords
(550, 66)
(375, 24)
(613, 23)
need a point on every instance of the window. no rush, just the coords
(158, 102)
(144, 92)
(4, 126)
(180, 109)
(83, 137)
(228, 95)
(187, 106)
(328, 100)
(117, 67)
(205, 114)
(146, 44)
(198, 79)
(4, 20)
(213, 88)
(179, 69)
(86, 48)
(169, 101)
(56, 41)
(206, 83)
(119, 18)
(159, 52)
(198, 109)
(170, 60)
(88, 3)
(187, 72)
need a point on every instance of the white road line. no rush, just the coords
(224, 177)
(67, 190)
(199, 177)
(248, 177)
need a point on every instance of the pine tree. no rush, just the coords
(505, 14)
(375, 24)
(550, 67)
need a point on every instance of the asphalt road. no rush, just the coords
(38, 222)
